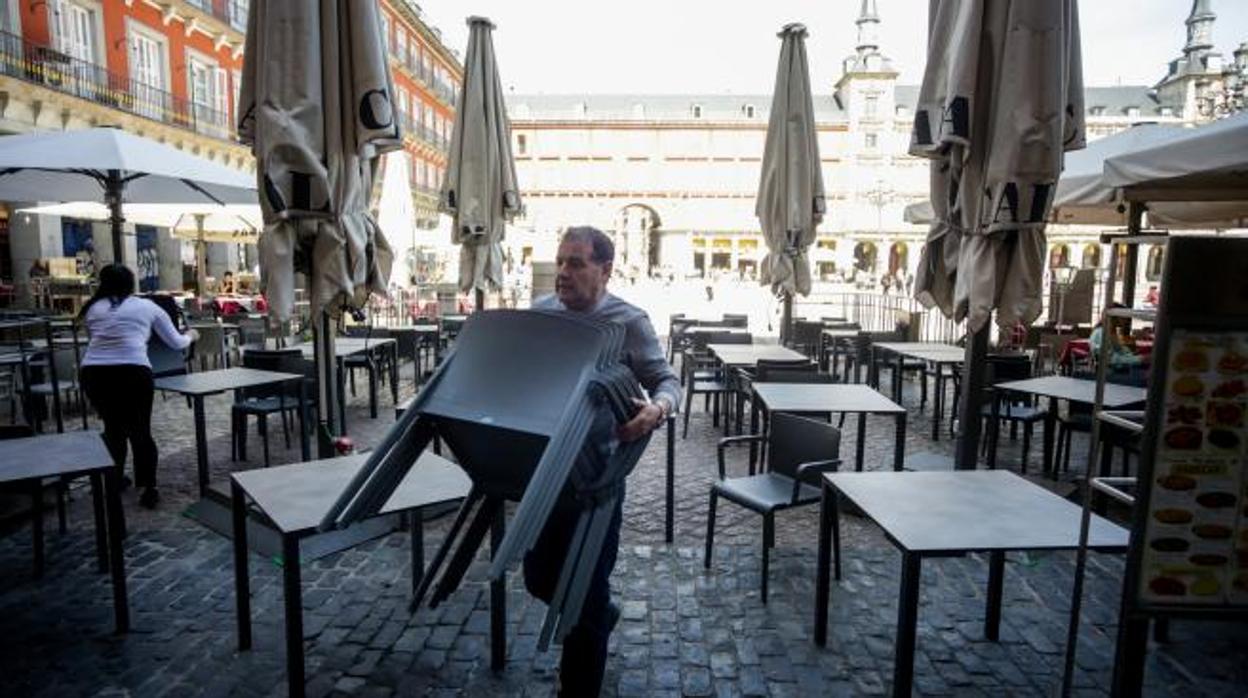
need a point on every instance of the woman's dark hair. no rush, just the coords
(116, 284)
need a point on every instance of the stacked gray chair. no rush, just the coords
(516, 401)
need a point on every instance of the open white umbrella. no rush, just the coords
(317, 108)
(113, 166)
(1208, 163)
(199, 223)
(480, 190)
(790, 201)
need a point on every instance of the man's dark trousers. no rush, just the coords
(585, 648)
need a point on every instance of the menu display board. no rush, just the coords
(1196, 539)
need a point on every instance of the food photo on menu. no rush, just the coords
(1197, 533)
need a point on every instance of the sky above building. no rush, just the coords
(730, 46)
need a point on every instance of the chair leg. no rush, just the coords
(264, 437)
(688, 406)
(923, 389)
(710, 531)
(1026, 444)
(769, 535)
(61, 489)
(286, 427)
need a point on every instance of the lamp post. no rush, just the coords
(1063, 279)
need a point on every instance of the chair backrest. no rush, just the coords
(807, 333)
(1007, 367)
(765, 369)
(165, 360)
(253, 329)
(66, 361)
(270, 360)
(735, 320)
(728, 337)
(795, 375)
(211, 340)
(795, 440)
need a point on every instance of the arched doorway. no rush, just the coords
(864, 256)
(1091, 256)
(636, 237)
(1059, 256)
(1152, 269)
(898, 259)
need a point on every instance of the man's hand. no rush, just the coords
(647, 419)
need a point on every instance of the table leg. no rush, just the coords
(498, 598)
(416, 530)
(938, 401)
(669, 523)
(342, 398)
(899, 445)
(1050, 433)
(372, 385)
(242, 573)
(994, 429)
(754, 416)
(860, 448)
(101, 522)
(996, 578)
(292, 590)
(822, 581)
(36, 524)
(897, 368)
(394, 373)
(305, 446)
(201, 443)
(116, 558)
(907, 624)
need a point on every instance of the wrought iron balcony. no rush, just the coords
(42, 65)
(422, 132)
(232, 12)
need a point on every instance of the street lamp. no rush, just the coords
(1063, 278)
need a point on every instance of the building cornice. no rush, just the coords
(431, 40)
(197, 21)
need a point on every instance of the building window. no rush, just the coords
(1133, 112)
(521, 144)
(76, 30)
(749, 111)
(870, 106)
(400, 43)
(1167, 111)
(871, 141)
(1097, 111)
(385, 28)
(697, 111)
(207, 89)
(148, 68)
(639, 111)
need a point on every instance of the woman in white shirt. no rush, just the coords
(116, 373)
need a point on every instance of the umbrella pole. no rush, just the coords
(786, 319)
(113, 188)
(479, 300)
(326, 383)
(201, 259)
(970, 424)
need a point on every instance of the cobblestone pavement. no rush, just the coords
(684, 630)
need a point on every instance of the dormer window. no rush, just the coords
(748, 110)
(697, 111)
(1167, 111)
(1133, 111)
(1097, 111)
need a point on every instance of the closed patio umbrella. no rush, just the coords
(480, 191)
(114, 167)
(1001, 101)
(316, 107)
(790, 192)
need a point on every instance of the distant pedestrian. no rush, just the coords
(117, 375)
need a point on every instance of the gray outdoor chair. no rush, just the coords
(798, 451)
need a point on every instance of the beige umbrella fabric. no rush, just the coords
(480, 190)
(316, 107)
(790, 192)
(1002, 100)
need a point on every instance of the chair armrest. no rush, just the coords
(730, 441)
(816, 466)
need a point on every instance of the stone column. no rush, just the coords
(31, 238)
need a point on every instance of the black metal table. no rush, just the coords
(735, 357)
(76, 453)
(419, 333)
(352, 346)
(197, 386)
(936, 354)
(941, 514)
(293, 499)
(826, 398)
(1072, 390)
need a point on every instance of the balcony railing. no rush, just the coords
(440, 88)
(422, 132)
(232, 12)
(42, 65)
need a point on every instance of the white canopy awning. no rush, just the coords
(1209, 163)
(238, 223)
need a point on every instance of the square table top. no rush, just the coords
(345, 346)
(1079, 390)
(221, 380)
(926, 351)
(840, 333)
(53, 454)
(750, 354)
(971, 510)
(824, 397)
(297, 497)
